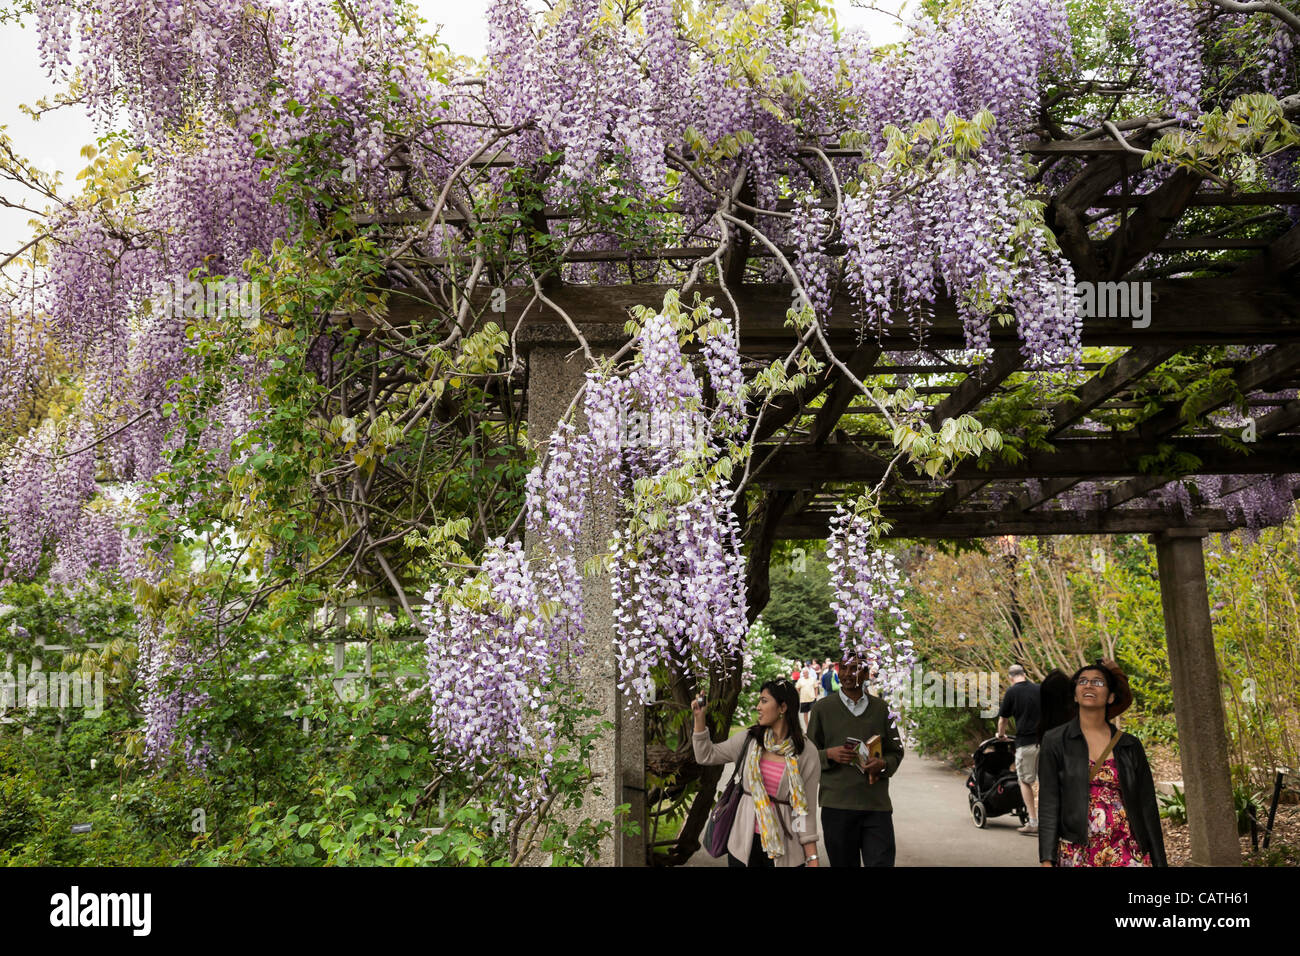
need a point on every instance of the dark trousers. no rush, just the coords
(858, 837)
(757, 857)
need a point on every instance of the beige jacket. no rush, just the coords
(741, 840)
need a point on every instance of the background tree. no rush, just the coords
(799, 611)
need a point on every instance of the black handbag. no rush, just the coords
(723, 816)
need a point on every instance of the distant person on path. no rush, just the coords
(830, 679)
(1096, 796)
(857, 817)
(1023, 703)
(776, 819)
(807, 688)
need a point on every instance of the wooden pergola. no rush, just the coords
(815, 446)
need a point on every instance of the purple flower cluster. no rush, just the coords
(677, 585)
(168, 668)
(1278, 54)
(722, 360)
(811, 228)
(1262, 503)
(868, 602)
(194, 81)
(610, 93)
(518, 624)
(904, 252)
(1164, 34)
(93, 548)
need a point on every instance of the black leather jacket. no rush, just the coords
(1064, 791)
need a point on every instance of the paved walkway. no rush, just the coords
(932, 823)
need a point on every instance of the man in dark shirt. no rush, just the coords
(1023, 703)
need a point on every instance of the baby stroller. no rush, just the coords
(994, 788)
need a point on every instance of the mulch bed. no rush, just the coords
(1284, 848)
(1164, 762)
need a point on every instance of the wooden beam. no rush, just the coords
(843, 391)
(1208, 198)
(1246, 312)
(797, 465)
(957, 492)
(1279, 420)
(811, 525)
(1120, 374)
(1198, 699)
(981, 382)
(1135, 488)
(1144, 230)
(788, 406)
(1066, 214)
(978, 385)
(1202, 242)
(1075, 147)
(1280, 260)
(1253, 375)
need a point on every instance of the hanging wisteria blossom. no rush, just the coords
(868, 598)
(677, 580)
(1164, 34)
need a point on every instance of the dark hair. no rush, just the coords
(1056, 698)
(783, 691)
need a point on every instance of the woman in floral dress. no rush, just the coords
(1110, 841)
(1097, 797)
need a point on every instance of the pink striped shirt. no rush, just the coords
(772, 771)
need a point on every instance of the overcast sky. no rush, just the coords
(55, 142)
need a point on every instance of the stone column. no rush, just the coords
(618, 757)
(1198, 700)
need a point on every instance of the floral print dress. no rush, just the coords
(1110, 841)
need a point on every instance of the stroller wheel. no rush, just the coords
(978, 814)
(1023, 815)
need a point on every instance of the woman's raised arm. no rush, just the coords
(707, 752)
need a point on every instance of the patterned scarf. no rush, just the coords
(769, 827)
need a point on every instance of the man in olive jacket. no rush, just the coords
(1064, 792)
(857, 817)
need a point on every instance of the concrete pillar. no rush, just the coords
(618, 758)
(1198, 699)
